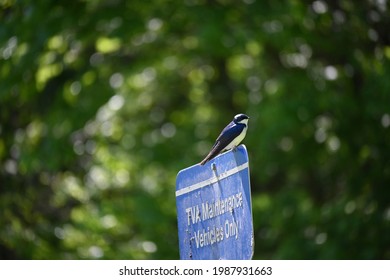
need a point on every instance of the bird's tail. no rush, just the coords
(208, 157)
(203, 162)
(213, 153)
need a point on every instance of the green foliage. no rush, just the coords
(103, 102)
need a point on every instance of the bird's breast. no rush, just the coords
(236, 141)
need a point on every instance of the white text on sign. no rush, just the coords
(208, 210)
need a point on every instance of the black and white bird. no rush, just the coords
(230, 137)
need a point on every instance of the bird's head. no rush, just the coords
(241, 118)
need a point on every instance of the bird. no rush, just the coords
(230, 137)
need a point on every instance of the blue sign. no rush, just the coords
(214, 208)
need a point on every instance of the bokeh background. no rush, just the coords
(103, 102)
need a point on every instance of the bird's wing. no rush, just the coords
(227, 135)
